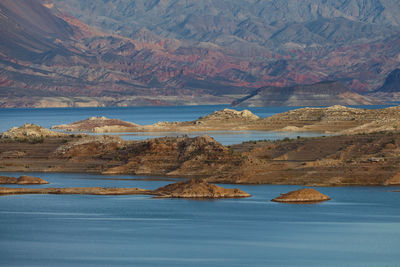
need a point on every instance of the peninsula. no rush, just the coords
(340, 160)
(335, 119)
(188, 189)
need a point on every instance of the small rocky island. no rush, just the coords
(98, 125)
(302, 196)
(22, 180)
(187, 189)
(198, 189)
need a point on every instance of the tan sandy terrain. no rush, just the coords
(360, 159)
(334, 119)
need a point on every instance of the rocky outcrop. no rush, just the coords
(98, 125)
(28, 180)
(229, 114)
(306, 195)
(8, 180)
(22, 180)
(29, 131)
(197, 156)
(222, 119)
(333, 119)
(198, 189)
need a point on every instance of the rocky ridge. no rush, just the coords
(50, 57)
(29, 131)
(335, 119)
(229, 114)
(97, 125)
(359, 159)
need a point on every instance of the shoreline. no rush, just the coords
(290, 162)
(346, 158)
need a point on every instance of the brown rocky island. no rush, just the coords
(302, 196)
(22, 180)
(366, 158)
(198, 189)
(188, 189)
(335, 119)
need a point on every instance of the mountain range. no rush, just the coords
(168, 52)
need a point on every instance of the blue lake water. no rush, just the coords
(360, 226)
(148, 115)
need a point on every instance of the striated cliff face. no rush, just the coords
(176, 52)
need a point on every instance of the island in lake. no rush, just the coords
(335, 119)
(187, 189)
(364, 152)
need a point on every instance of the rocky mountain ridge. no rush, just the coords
(125, 53)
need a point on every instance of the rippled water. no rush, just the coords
(360, 226)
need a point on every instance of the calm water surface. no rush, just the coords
(360, 226)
